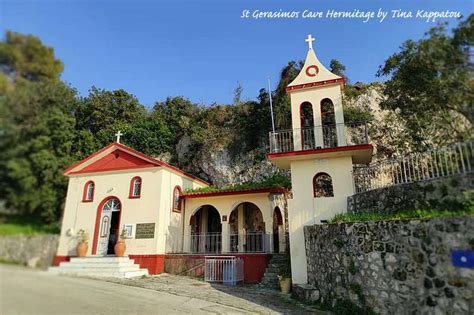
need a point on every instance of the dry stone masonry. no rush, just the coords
(393, 267)
(33, 251)
(444, 193)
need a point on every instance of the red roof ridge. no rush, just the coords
(141, 155)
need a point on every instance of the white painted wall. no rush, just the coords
(154, 206)
(304, 209)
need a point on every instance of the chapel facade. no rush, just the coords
(120, 192)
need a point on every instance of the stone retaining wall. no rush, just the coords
(34, 251)
(393, 267)
(442, 193)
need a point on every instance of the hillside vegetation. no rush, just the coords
(45, 125)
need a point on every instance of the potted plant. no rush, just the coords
(284, 276)
(82, 246)
(120, 246)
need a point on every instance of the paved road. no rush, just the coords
(26, 291)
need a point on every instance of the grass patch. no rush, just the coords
(401, 215)
(276, 181)
(20, 225)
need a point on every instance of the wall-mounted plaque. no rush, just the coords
(145, 230)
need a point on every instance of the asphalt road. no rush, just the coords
(26, 291)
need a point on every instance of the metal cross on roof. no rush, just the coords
(118, 134)
(310, 41)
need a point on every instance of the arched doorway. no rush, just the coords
(277, 224)
(107, 226)
(206, 230)
(307, 126)
(247, 229)
(328, 120)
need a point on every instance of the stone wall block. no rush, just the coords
(393, 267)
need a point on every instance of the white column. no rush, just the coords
(225, 237)
(240, 227)
(187, 237)
(268, 219)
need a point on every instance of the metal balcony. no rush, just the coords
(318, 137)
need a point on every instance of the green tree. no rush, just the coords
(432, 86)
(25, 56)
(339, 69)
(36, 145)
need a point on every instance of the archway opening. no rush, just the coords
(307, 126)
(247, 229)
(277, 226)
(107, 226)
(206, 230)
(328, 120)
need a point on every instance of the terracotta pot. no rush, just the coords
(81, 249)
(120, 248)
(285, 285)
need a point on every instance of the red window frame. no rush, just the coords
(86, 189)
(180, 202)
(132, 186)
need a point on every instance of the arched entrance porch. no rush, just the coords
(247, 229)
(206, 230)
(107, 226)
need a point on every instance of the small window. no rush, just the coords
(135, 187)
(322, 185)
(88, 194)
(177, 201)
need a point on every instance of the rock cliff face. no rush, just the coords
(221, 166)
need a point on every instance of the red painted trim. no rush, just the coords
(316, 71)
(59, 259)
(290, 89)
(86, 188)
(132, 185)
(143, 156)
(301, 120)
(112, 169)
(155, 263)
(97, 222)
(320, 151)
(233, 192)
(254, 264)
(180, 203)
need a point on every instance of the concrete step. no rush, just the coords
(117, 267)
(99, 273)
(100, 269)
(95, 259)
(76, 264)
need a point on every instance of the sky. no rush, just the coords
(203, 49)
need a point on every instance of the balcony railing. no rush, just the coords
(212, 243)
(318, 137)
(250, 242)
(206, 243)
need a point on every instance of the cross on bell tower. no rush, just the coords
(310, 39)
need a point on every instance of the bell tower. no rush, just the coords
(320, 151)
